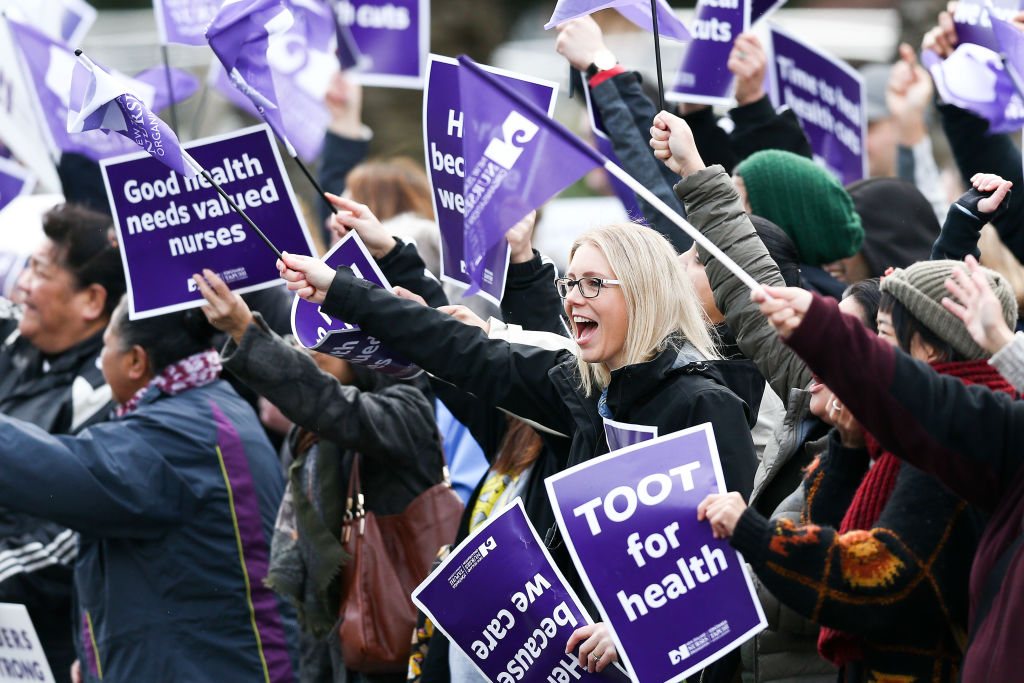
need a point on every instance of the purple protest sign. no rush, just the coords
(501, 600)
(184, 21)
(828, 98)
(762, 9)
(15, 180)
(637, 11)
(974, 78)
(703, 76)
(170, 227)
(973, 24)
(607, 148)
(443, 123)
(391, 40)
(318, 331)
(49, 66)
(622, 434)
(675, 597)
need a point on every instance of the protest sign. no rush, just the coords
(607, 148)
(392, 40)
(828, 98)
(703, 76)
(675, 597)
(622, 434)
(21, 654)
(443, 125)
(500, 599)
(21, 129)
(15, 180)
(170, 227)
(184, 21)
(318, 331)
(973, 23)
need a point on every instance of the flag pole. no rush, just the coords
(206, 174)
(170, 88)
(683, 224)
(657, 54)
(197, 118)
(316, 185)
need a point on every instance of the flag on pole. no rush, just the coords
(637, 11)
(101, 101)
(516, 158)
(240, 35)
(1011, 47)
(974, 78)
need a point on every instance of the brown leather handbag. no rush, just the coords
(391, 555)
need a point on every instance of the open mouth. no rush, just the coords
(585, 329)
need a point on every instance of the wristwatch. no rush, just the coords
(603, 60)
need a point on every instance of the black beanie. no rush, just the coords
(899, 223)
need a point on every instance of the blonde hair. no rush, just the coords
(661, 304)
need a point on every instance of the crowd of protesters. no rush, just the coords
(176, 489)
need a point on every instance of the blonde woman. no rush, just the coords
(641, 349)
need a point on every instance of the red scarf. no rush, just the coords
(197, 370)
(875, 489)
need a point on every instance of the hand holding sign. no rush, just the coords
(785, 307)
(226, 310)
(723, 511)
(579, 41)
(597, 647)
(749, 62)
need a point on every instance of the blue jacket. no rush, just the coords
(175, 504)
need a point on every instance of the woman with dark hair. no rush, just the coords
(174, 501)
(882, 555)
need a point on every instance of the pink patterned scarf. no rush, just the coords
(197, 370)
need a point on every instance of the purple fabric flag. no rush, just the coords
(349, 56)
(828, 98)
(516, 158)
(503, 603)
(637, 11)
(675, 598)
(703, 75)
(974, 78)
(15, 180)
(183, 83)
(49, 65)
(442, 143)
(184, 21)
(318, 331)
(170, 227)
(240, 37)
(101, 101)
(973, 20)
(1011, 46)
(622, 434)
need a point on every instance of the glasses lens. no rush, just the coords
(562, 287)
(590, 287)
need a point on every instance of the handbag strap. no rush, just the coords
(354, 503)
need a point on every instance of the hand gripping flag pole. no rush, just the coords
(100, 101)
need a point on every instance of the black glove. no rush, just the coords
(972, 197)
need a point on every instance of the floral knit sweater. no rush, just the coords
(899, 586)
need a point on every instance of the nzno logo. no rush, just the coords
(516, 130)
(676, 656)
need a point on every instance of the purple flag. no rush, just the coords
(318, 331)
(170, 226)
(637, 11)
(516, 158)
(762, 9)
(828, 98)
(1011, 46)
(183, 83)
(704, 75)
(15, 180)
(389, 41)
(500, 599)
(66, 21)
(49, 65)
(974, 78)
(675, 597)
(184, 21)
(443, 122)
(101, 101)
(973, 20)
(607, 148)
(240, 37)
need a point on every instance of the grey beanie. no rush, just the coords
(921, 288)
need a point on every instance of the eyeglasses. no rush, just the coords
(589, 286)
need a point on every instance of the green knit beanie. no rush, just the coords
(806, 201)
(921, 287)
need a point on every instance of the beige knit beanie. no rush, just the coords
(921, 287)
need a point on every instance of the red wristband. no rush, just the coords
(603, 76)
